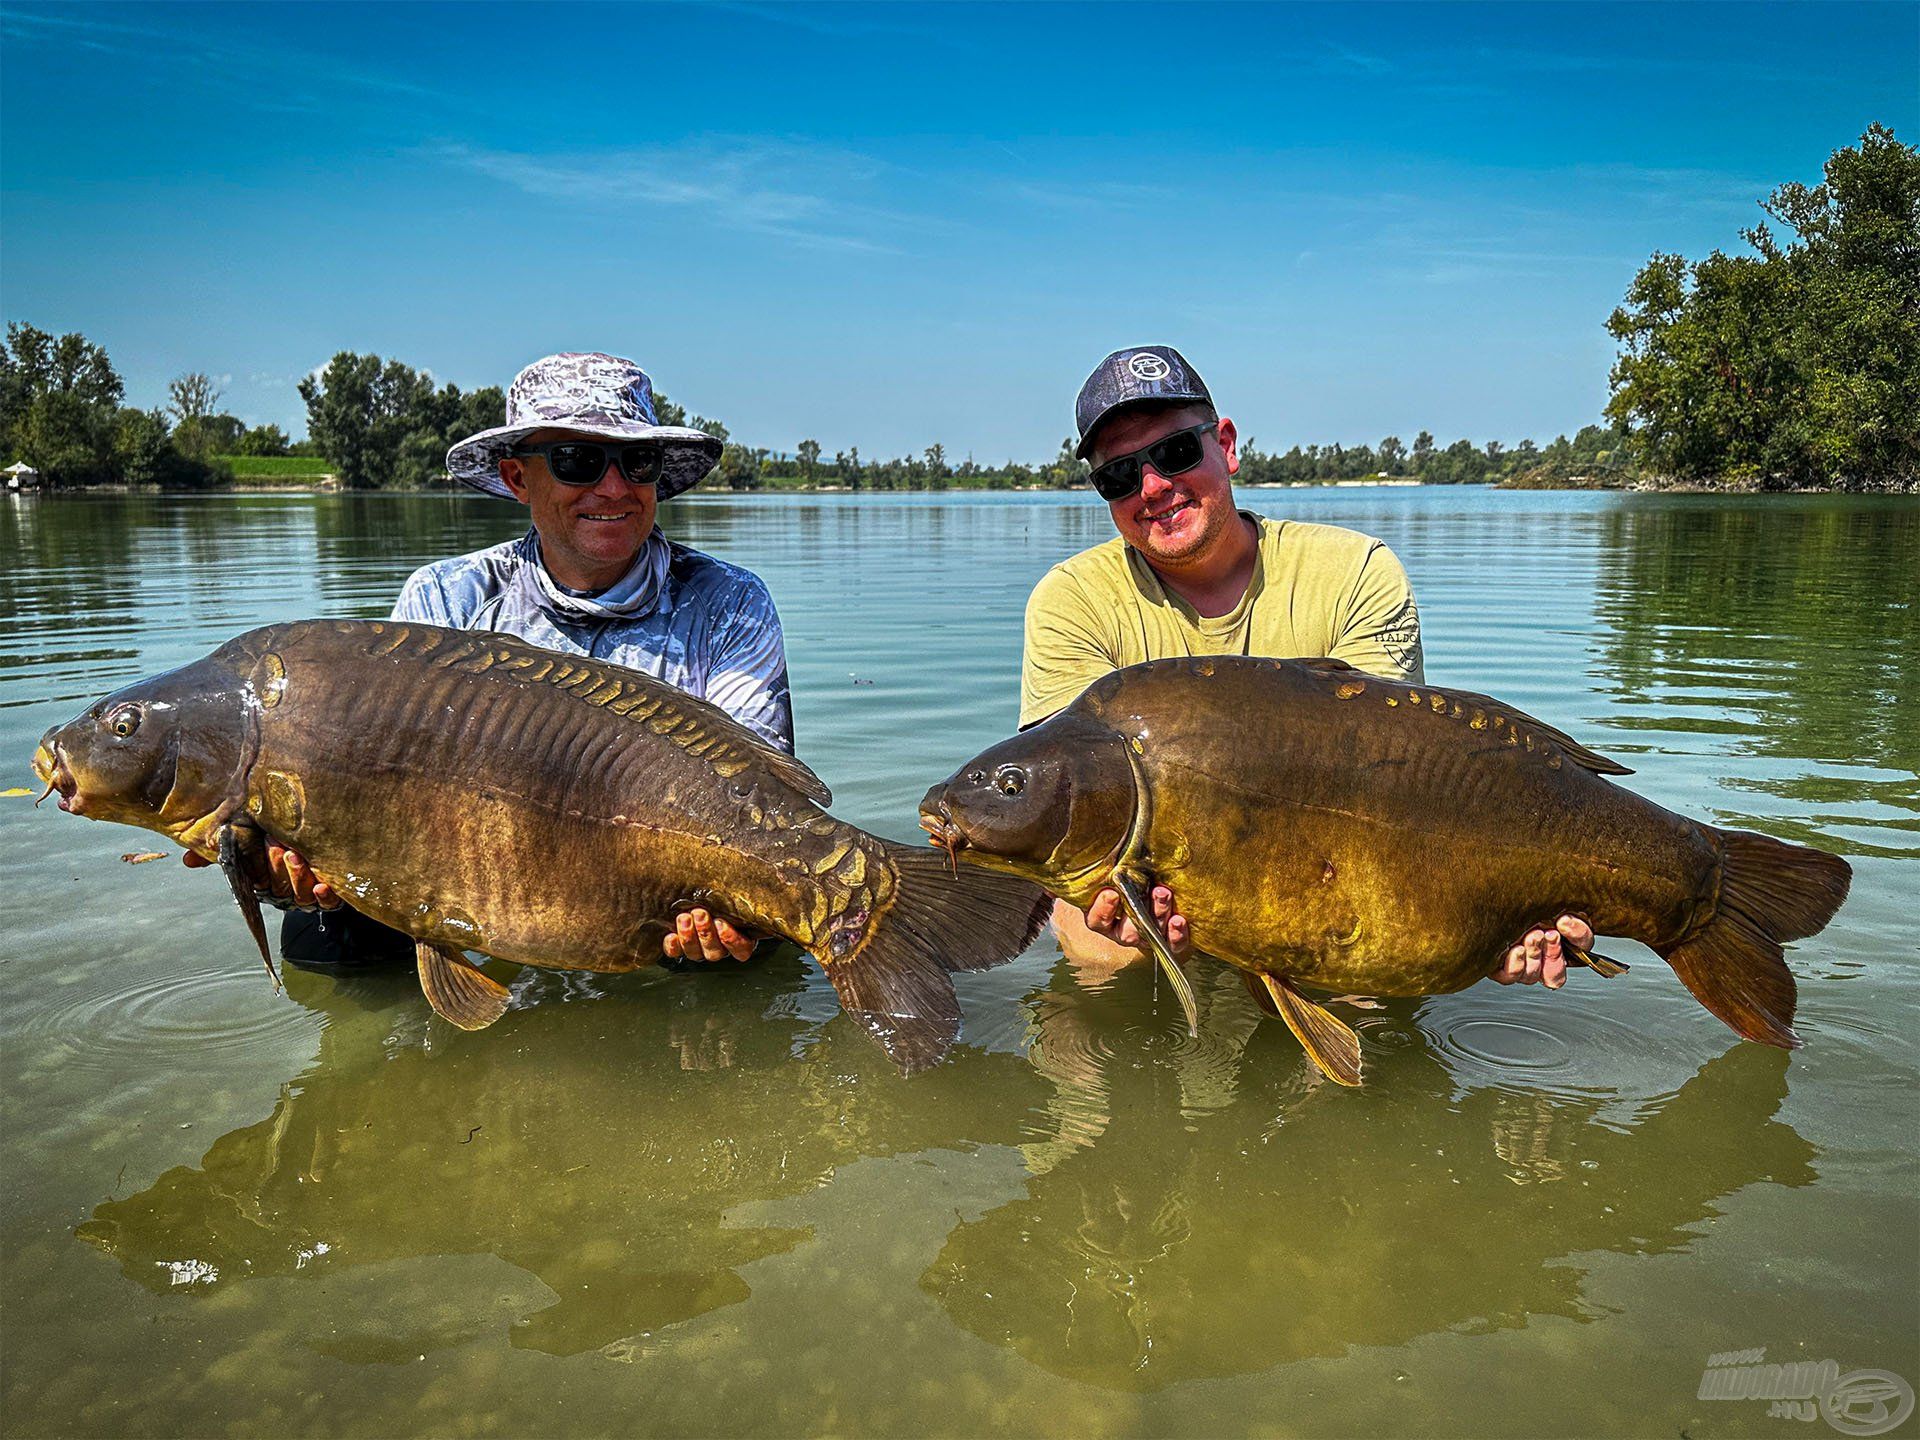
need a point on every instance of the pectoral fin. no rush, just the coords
(1257, 988)
(1331, 1044)
(1599, 964)
(1141, 909)
(242, 884)
(458, 991)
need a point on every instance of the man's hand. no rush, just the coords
(1539, 958)
(288, 878)
(700, 935)
(1108, 918)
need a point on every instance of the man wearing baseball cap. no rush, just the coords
(584, 451)
(1191, 574)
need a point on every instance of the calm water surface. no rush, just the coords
(666, 1204)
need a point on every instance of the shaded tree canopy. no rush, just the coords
(382, 423)
(1798, 364)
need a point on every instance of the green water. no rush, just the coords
(670, 1204)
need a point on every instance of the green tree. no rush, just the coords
(361, 412)
(809, 459)
(1797, 364)
(192, 396)
(145, 453)
(262, 440)
(59, 404)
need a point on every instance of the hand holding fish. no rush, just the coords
(1107, 917)
(288, 878)
(1540, 957)
(700, 935)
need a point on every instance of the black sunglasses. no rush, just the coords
(1173, 454)
(583, 462)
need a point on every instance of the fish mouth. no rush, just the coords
(49, 765)
(937, 821)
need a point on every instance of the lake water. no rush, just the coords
(669, 1204)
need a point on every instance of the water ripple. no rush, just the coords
(176, 1017)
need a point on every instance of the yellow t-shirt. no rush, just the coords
(1317, 590)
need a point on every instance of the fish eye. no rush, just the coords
(1010, 781)
(124, 721)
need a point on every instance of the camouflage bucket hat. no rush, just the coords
(598, 395)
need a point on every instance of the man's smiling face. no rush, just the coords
(589, 534)
(1174, 518)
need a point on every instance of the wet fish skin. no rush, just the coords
(482, 794)
(1326, 828)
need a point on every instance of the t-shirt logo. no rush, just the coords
(1149, 367)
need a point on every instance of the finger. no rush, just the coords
(738, 945)
(277, 880)
(1101, 913)
(1553, 969)
(1177, 933)
(1535, 946)
(1576, 930)
(1162, 905)
(1511, 967)
(1127, 934)
(710, 946)
(299, 878)
(325, 896)
(670, 945)
(685, 946)
(194, 860)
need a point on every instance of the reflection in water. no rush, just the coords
(1162, 1240)
(1195, 1208)
(597, 1146)
(1795, 631)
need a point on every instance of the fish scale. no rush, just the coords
(482, 794)
(1323, 827)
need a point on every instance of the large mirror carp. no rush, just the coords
(1322, 827)
(482, 794)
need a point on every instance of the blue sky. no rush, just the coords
(889, 225)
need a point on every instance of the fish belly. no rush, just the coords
(1404, 858)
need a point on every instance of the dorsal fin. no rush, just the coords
(1576, 752)
(1509, 715)
(701, 728)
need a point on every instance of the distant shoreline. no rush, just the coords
(326, 485)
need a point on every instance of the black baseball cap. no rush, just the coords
(1137, 375)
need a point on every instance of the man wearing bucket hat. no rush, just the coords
(583, 449)
(1191, 574)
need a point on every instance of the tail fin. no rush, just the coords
(895, 975)
(1770, 892)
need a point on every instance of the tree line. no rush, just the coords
(1797, 365)
(61, 411)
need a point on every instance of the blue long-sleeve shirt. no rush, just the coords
(714, 633)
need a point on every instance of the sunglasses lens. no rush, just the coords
(1176, 454)
(577, 464)
(641, 463)
(1118, 479)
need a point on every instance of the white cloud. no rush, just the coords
(811, 195)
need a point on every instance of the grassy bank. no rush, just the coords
(276, 467)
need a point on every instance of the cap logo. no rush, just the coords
(1149, 367)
